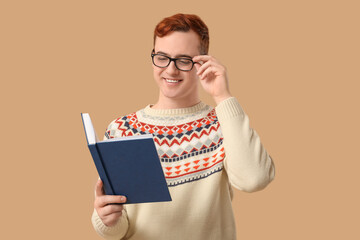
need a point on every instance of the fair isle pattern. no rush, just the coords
(193, 169)
(188, 151)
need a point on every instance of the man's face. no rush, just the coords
(174, 45)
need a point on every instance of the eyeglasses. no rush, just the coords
(162, 61)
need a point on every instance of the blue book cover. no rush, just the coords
(128, 166)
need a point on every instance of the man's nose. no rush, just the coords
(171, 69)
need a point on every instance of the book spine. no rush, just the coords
(101, 170)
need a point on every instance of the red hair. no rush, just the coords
(184, 23)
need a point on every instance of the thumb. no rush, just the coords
(99, 188)
(197, 66)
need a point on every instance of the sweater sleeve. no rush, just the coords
(249, 167)
(116, 232)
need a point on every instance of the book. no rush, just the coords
(128, 166)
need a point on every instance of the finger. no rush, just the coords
(113, 216)
(215, 66)
(117, 215)
(206, 72)
(201, 58)
(203, 67)
(111, 219)
(197, 66)
(109, 199)
(99, 188)
(111, 209)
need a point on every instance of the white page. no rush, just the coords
(89, 129)
(144, 136)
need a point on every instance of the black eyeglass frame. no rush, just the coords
(153, 54)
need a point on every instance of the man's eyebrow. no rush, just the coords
(177, 56)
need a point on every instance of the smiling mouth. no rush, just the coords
(172, 80)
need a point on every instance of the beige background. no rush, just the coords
(293, 66)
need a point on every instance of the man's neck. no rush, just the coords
(168, 103)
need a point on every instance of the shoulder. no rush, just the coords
(119, 126)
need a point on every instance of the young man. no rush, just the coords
(204, 151)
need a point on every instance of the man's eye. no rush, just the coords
(162, 58)
(185, 61)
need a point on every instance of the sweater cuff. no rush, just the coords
(229, 108)
(119, 229)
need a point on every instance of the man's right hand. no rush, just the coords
(109, 213)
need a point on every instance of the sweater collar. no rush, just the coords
(175, 111)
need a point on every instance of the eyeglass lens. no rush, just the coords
(181, 63)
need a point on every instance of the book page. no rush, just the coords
(89, 129)
(144, 136)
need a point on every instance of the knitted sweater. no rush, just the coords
(204, 151)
